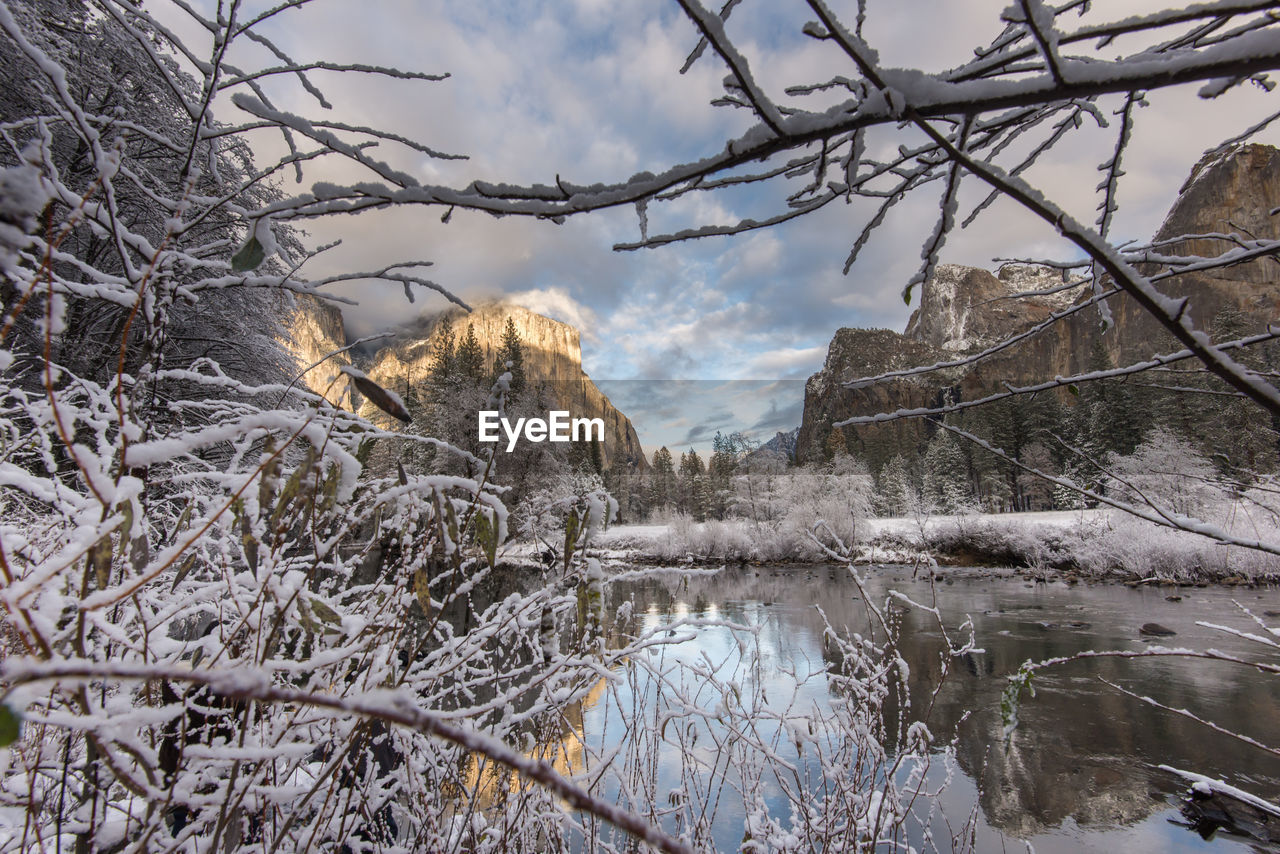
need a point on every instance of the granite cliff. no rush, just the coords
(315, 330)
(552, 359)
(964, 309)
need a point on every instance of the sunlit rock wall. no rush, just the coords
(552, 357)
(314, 330)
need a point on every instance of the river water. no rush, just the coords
(1080, 771)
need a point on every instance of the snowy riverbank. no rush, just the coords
(1092, 543)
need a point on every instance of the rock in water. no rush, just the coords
(1155, 630)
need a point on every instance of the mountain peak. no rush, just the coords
(1231, 191)
(964, 307)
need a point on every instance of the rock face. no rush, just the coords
(552, 358)
(856, 353)
(964, 309)
(315, 330)
(1233, 192)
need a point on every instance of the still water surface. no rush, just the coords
(1079, 773)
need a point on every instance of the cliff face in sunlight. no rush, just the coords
(965, 309)
(552, 359)
(314, 329)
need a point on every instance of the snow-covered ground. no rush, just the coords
(633, 536)
(643, 537)
(1053, 518)
(617, 542)
(1095, 542)
(1098, 542)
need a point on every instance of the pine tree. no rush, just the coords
(725, 453)
(470, 358)
(586, 456)
(510, 353)
(993, 478)
(897, 489)
(1240, 436)
(443, 358)
(946, 477)
(693, 484)
(1014, 426)
(1036, 493)
(662, 480)
(1114, 423)
(1065, 498)
(629, 487)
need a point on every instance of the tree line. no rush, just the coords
(1078, 436)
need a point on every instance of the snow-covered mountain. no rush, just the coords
(782, 443)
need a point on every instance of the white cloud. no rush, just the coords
(558, 305)
(787, 362)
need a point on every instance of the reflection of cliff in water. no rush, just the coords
(1083, 750)
(561, 743)
(559, 736)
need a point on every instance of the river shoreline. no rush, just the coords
(943, 568)
(1091, 546)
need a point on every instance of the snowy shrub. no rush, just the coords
(1166, 471)
(569, 510)
(1137, 548)
(792, 516)
(1258, 511)
(22, 196)
(223, 630)
(832, 507)
(710, 540)
(991, 543)
(1108, 544)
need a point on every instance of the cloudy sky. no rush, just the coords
(694, 337)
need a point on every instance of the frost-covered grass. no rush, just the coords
(730, 540)
(1099, 543)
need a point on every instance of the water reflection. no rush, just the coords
(1080, 771)
(564, 749)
